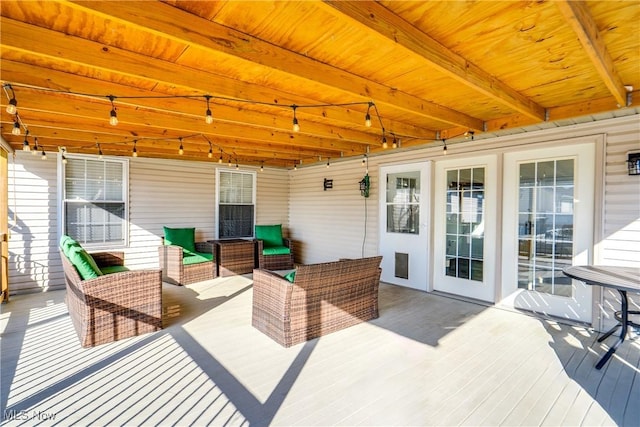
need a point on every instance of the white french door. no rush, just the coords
(548, 225)
(465, 227)
(404, 224)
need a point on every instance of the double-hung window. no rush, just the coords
(236, 203)
(94, 200)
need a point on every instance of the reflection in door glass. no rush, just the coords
(465, 223)
(545, 226)
(403, 202)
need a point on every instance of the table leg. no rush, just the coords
(623, 333)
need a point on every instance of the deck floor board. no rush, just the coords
(428, 360)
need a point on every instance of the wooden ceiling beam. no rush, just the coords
(20, 39)
(175, 24)
(378, 18)
(577, 15)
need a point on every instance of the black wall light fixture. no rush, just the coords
(633, 163)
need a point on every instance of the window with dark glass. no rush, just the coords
(94, 201)
(236, 210)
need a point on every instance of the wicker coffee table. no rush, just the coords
(234, 256)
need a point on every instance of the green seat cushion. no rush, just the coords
(276, 250)
(290, 276)
(113, 269)
(84, 263)
(196, 257)
(271, 235)
(184, 237)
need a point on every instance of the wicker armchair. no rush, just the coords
(322, 298)
(113, 306)
(176, 272)
(273, 252)
(183, 260)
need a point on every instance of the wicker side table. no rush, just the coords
(234, 256)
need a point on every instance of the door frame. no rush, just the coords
(468, 288)
(424, 236)
(586, 177)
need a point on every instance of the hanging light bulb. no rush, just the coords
(25, 144)
(295, 166)
(364, 160)
(220, 159)
(12, 107)
(99, 150)
(262, 167)
(237, 167)
(444, 148)
(367, 117)
(44, 155)
(113, 116)
(328, 162)
(384, 142)
(16, 127)
(208, 118)
(64, 159)
(229, 164)
(181, 149)
(35, 146)
(135, 150)
(296, 126)
(394, 144)
(210, 155)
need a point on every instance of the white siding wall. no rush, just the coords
(33, 258)
(621, 229)
(330, 224)
(161, 192)
(327, 225)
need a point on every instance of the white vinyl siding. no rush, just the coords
(620, 243)
(34, 263)
(161, 192)
(331, 224)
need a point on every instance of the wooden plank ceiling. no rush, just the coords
(432, 71)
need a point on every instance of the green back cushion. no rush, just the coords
(290, 276)
(67, 243)
(84, 263)
(185, 237)
(271, 235)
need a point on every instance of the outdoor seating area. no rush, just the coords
(427, 360)
(320, 213)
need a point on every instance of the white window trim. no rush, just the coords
(60, 197)
(253, 197)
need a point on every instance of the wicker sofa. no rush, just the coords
(322, 298)
(115, 305)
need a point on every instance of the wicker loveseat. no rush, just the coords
(322, 298)
(116, 303)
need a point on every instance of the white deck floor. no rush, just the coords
(428, 360)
